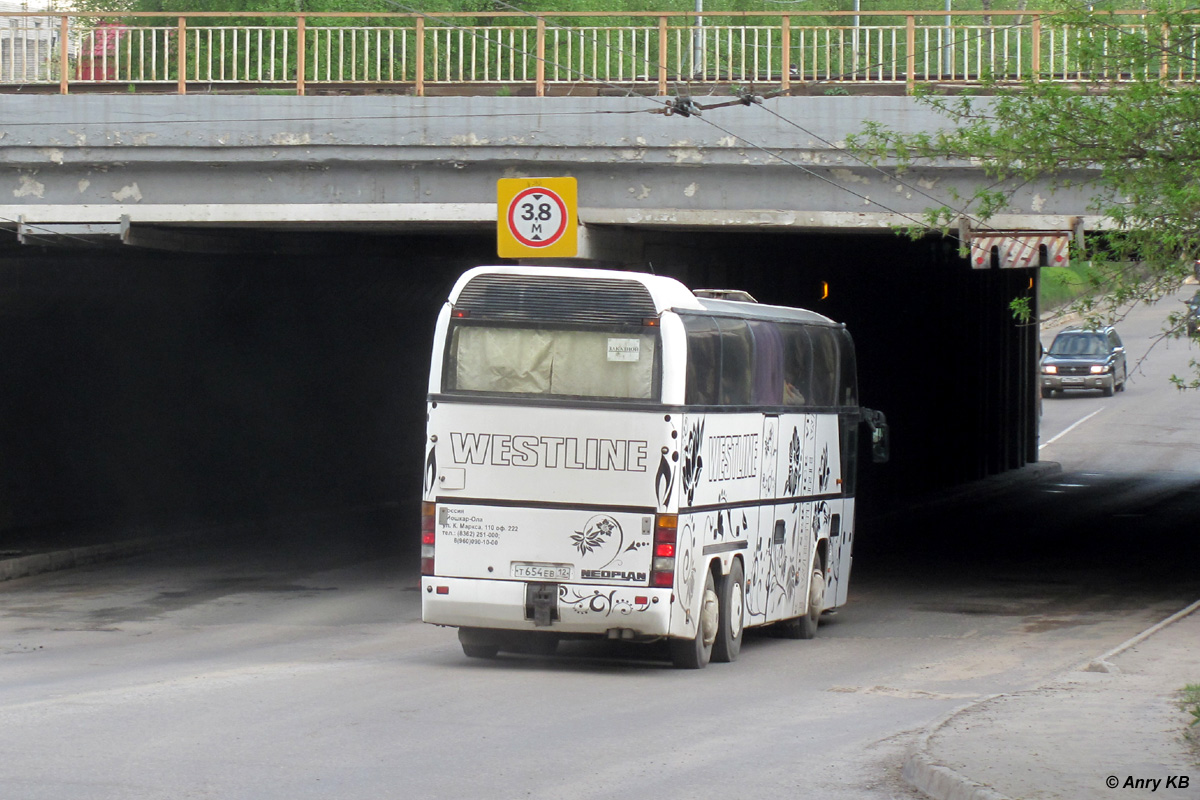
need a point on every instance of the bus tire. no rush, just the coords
(805, 627)
(695, 653)
(729, 629)
(477, 644)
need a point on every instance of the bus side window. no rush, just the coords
(768, 364)
(848, 423)
(797, 366)
(703, 361)
(737, 362)
(849, 373)
(825, 365)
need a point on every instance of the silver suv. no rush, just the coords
(1085, 359)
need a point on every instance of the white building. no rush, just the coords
(28, 45)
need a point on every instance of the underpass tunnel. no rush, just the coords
(145, 386)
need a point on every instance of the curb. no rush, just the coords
(24, 566)
(940, 782)
(68, 558)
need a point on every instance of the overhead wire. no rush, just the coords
(687, 110)
(673, 107)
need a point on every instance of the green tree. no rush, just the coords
(1134, 120)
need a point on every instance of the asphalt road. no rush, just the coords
(294, 665)
(1147, 428)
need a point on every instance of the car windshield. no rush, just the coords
(1079, 344)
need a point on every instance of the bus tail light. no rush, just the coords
(662, 568)
(428, 516)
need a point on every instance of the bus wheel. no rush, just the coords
(729, 630)
(805, 627)
(695, 653)
(477, 644)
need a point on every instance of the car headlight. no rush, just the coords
(1049, 369)
(1099, 369)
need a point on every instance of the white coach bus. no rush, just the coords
(610, 454)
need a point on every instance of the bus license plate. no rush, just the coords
(553, 572)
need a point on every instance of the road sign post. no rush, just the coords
(537, 218)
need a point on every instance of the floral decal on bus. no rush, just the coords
(600, 602)
(693, 463)
(686, 570)
(770, 454)
(795, 457)
(597, 533)
(430, 470)
(664, 482)
(821, 519)
(722, 524)
(823, 469)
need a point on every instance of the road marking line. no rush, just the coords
(1071, 428)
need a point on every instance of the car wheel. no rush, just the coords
(1107, 389)
(695, 653)
(1124, 379)
(729, 628)
(1047, 393)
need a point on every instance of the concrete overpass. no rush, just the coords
(403, 163)
(222, 302)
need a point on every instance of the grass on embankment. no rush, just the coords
(1191, 704)
(1061, 286)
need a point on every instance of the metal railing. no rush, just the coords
(648, 52)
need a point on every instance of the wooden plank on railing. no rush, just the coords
(910, 62)
(662, 56)
(301, 54)
(420, 76)
(786, 62)
(63, 55)
(181, 56)
(540, 69)
(1036, 62)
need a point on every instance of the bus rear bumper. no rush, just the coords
(581, 608)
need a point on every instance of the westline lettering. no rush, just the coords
(551, 452)
(733, 457)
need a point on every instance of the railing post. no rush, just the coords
(662, 56)
(301, 55)
(785, 63)
(910, 59)
(541, 57)
(181, 56)
(420, 77)
(1037, 48)
(64, 53)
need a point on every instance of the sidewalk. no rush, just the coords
(1093, 732)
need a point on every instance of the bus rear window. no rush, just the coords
(558, 362)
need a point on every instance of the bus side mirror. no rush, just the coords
(880, 440)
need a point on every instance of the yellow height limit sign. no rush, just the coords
(537, 218)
